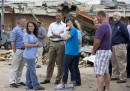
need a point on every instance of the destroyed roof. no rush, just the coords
(50, 7)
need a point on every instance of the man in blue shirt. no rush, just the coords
(16, 38)
(41, 37)
(120, 39)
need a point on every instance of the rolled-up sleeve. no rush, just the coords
(62, 35)
(13, 36)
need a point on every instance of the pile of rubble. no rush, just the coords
(6, 56)
(85, 60)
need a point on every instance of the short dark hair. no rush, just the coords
(101, 13)
(72, 20)
(35, 32)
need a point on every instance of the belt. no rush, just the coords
(118, 44)
(21, 48)
(57, 41)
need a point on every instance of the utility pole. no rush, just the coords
(2, 18)
(2, 14)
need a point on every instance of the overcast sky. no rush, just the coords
(89, 1)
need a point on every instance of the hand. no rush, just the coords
(67, 28)
(56, 35)
(38, 44)
(93, 53)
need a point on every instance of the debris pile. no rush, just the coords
(6, 56)
(86, 59)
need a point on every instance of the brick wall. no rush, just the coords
(10, 20)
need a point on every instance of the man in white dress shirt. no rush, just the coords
(56, 49)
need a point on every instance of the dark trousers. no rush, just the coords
(128, 61)
(69, 64)
(78, 77)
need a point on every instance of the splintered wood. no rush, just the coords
(6, 56)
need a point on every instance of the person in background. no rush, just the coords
(56, 49)
(17, 45)
(110, 65)
(120, 39)
(41, 36)
(102, 49)
(128, 60)
(78, 27)
(31, 44)
(71, 55)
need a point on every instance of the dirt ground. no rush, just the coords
(87, 76)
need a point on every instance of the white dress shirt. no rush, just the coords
(128, 28)
(57, 28)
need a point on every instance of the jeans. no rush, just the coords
(69, 64)
(31, 78)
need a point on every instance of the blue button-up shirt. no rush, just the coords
(42, 32)
(17, 36)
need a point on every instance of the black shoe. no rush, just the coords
(21, 84)
(113, 79)
(40, 88)
(121, 81)
(57, 82)
(45, 81)
(14, 85)
(77, 84)
(29, 88)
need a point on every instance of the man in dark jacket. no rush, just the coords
(120, 39)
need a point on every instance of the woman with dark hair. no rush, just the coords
(31, 44)
(71, 54)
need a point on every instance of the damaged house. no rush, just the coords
(83, 10)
